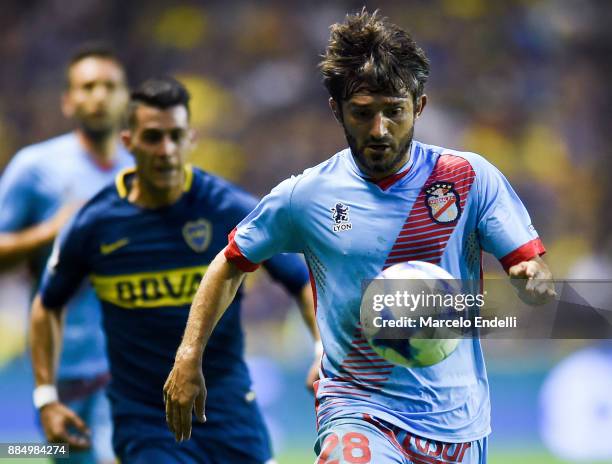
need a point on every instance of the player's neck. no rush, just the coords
(376, 176)
(102, 150)
(148, 196)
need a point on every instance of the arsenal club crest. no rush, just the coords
(198, 234)
(442, 202)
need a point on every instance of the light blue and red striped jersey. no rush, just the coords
(443, 207)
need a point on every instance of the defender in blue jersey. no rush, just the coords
(384, 200)
(39, 190)
(145, 242)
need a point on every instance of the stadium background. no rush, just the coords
(522, 82)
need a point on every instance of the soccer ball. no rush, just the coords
(387, 308)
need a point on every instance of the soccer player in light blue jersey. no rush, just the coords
(384, 200)
(39, 190)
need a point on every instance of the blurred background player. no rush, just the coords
(40, 189)
(370, 411)
(146, 241)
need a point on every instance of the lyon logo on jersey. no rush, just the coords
(443, 202)
(340, 215)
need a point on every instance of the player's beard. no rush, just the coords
(387, 166)
(97, 134)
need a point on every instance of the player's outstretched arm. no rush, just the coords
(185, 390)
(533, 280)
(16, 247)
(46, 328)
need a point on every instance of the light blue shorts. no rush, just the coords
(94, 409)
(371, 441)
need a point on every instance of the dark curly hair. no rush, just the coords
(366, 51)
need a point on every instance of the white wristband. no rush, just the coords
(44, 394)
(318, 349)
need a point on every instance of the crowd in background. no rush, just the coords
(522, 82)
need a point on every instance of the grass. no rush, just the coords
(499, 457)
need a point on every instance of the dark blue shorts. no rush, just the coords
(238, 436)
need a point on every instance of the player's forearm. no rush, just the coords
(217, 290)
(16, 247)
(306, 303)
(45, 339)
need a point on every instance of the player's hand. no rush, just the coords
(533, 280)
(184, 392)
(57, 420)
(313, 374)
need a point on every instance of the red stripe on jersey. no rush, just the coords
(366, 368)
(233, 254)
(362, 368)
(388, 181)
(339, 391)
(405, 248)
(313, 285)
(424, 240)
(525, 252)
(315, 387)
(410, 230)
(361, 362)
(449, 169)
(413, 456)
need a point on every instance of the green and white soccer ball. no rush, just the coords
(406, 346)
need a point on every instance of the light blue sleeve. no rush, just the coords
(270, 228)
(504, 225)
(18, 194)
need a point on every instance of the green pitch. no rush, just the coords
(499, 457)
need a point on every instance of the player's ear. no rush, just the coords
(420, 105)
(192, 138)
(67, 105)
(335, 107)
(126, 138)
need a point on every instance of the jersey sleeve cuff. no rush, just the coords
(50, 302)
(234, 255)
(525, 252)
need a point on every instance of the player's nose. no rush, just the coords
(378, 129)
(166, 146)
(100, 94)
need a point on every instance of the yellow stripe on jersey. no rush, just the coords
(188, 178)
(173, 287)
(122, 188)
(120, 181)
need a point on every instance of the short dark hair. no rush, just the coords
(158, 92)
(96, 49)
(367, 51)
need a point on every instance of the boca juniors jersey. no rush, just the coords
(145, 266)
(443, 207)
